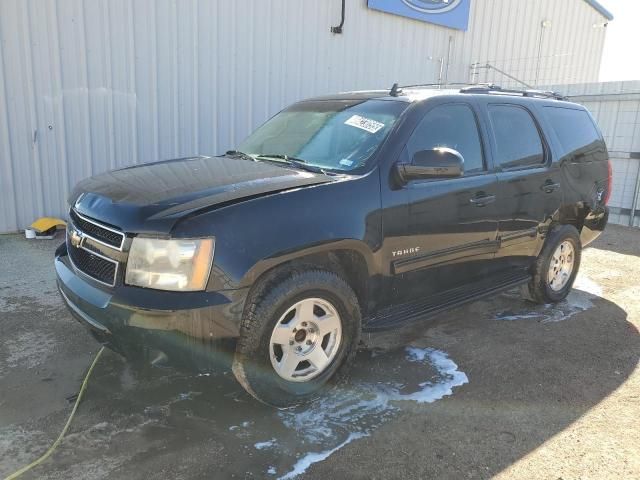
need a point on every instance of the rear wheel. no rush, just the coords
(297, 338)
(556, 267)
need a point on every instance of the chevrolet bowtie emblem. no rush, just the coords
(76, 238)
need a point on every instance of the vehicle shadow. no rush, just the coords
(619, 239)
(466, 394)
(533, 371)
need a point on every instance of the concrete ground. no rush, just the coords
(498, 388)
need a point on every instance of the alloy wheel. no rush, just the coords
(305, 340)
(561, 266)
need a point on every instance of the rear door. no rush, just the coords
(530, 186)
(452, 223)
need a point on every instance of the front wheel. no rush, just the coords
(556, 267)
(297, 338)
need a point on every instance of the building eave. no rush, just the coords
(601, 10)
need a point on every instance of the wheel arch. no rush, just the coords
(350, 259)
(572, 214)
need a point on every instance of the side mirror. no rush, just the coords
(441, 162)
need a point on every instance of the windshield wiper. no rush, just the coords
(294, 162)
(236, 153)
(281, 157)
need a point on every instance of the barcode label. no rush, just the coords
(365, 124)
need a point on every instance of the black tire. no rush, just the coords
(252, 365)
(538, 289)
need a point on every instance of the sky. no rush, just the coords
(621, 57)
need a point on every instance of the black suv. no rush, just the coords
(341, 214)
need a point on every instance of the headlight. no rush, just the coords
(179, 265)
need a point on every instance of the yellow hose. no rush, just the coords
(66, 427)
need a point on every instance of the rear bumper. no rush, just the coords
(594, 225)
(190, 331)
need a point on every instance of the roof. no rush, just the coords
(407, 94)
(354, 95)
(603, 11)
(417, 93)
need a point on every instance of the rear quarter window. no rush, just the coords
(574, 128)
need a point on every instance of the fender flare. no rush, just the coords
(267, 264)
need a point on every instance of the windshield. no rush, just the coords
(331, 134)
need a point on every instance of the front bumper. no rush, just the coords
(194, 330)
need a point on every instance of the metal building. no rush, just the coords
(91, 85)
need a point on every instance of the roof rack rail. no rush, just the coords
(497, 89)
(439, 85)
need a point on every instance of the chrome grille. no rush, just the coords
(99, 232)
(93, 265)
(86, 242)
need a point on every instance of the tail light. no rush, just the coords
(607, 193)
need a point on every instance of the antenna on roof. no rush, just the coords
(395, 90)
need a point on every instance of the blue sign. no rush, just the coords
(450, 13)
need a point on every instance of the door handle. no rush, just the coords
(482, 200)
(549, 186)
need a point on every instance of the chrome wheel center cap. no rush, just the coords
(300, 336)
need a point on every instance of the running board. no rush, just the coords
(399, 315)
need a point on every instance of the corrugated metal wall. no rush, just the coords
(616, 107)
(89, 85)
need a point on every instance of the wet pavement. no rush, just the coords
(469, 394)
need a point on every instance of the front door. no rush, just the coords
(451, 235)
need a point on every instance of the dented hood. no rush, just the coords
(152, 198)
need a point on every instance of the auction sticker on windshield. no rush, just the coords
(365, 124)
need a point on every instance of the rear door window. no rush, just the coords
(518, 142)
(574, 128)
